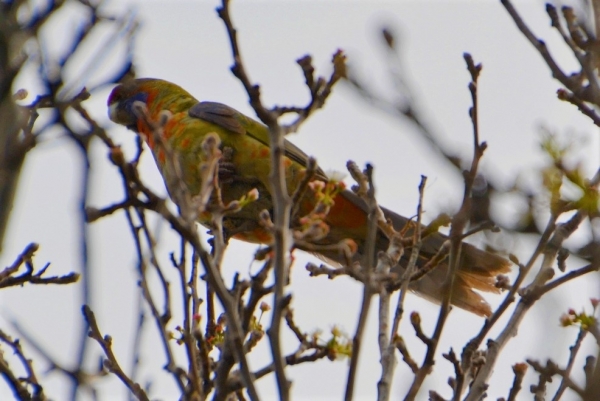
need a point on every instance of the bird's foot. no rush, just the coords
(228, 171)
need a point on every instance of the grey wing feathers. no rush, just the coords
(218, 114)
(227, 117)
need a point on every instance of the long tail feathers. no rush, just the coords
(464, 297)
(477, 271)
(479, 268)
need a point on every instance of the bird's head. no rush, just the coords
(156, 94)
(122, 98)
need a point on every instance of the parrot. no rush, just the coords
(248, 166)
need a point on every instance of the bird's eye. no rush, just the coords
(140, 96)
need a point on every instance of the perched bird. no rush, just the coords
(190, 121)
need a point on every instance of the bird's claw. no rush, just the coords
(228, 172)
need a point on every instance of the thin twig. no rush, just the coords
(546, 373)
(539, 45)
(586, 110)
(282, 238)
(530, 294)
(111, 362)
(390, 341)
(574, 349)
(519, 369)
(459, 222)
(367, 191)
(8, 277)
(19, 385)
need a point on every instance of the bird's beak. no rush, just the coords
(112, 112)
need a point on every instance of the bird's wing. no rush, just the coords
(234, 121)
(218, 114)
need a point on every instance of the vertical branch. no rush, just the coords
(187, 336)
(388, 344)
(161, 319)
(130, 180)
(368, 259)
(211, 318)
(357, 341)
(529, 295)
(12, 148)
(86, 279)
(574, 349)
(387, 353)
(417, 243)
(17, 137)
(137, 339)
(186, 227)
(459, 222)
(595, 4)
(19, 384)
(111, 363)
(282, 239)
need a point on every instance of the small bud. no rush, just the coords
(164, 117)
(116, 156)
(336, 332)
(562, 94)
(234, 206)
(351, 245)
(316, 186)
(502, 282)
(388, 37)
(566, 320)
(108, 365)
(335, 176)
(264, 307)
(211, 141)
(479, 359)
(253, 194)
(339, 64)
(265, 217)
(91, 214)
(21, 94)
(415, 318)
(520, 368)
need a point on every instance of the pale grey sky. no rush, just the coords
(185, 42)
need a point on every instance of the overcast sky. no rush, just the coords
(185, 42)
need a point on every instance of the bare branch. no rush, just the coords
(19, 385)
(111, 362)
(459, 222)
(8, 277)
(574, 349)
